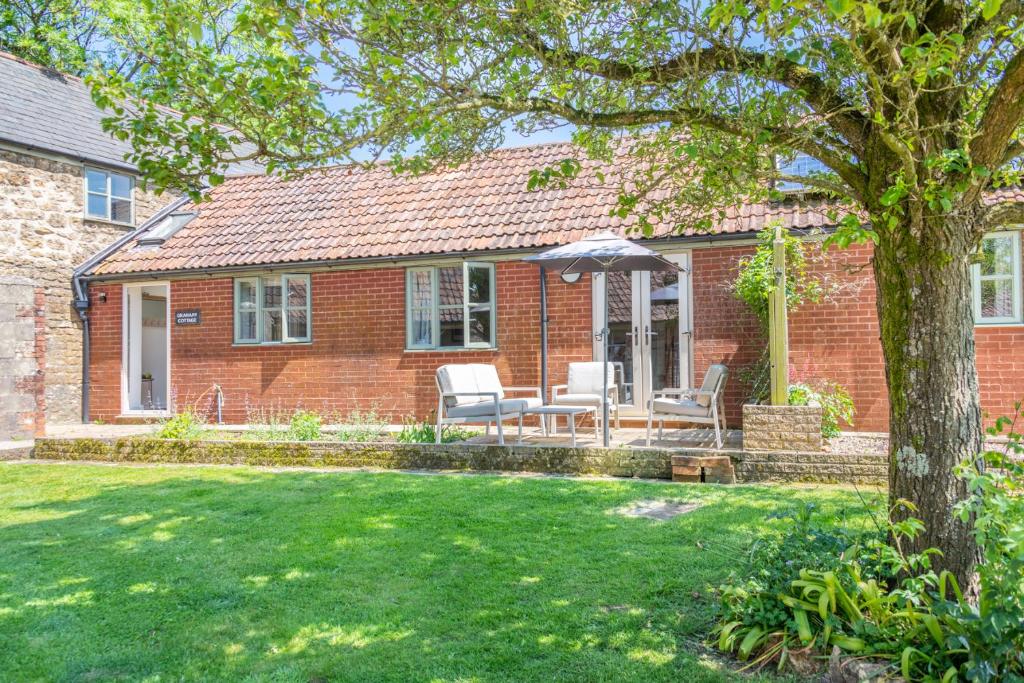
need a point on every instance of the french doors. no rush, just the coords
(650, 322)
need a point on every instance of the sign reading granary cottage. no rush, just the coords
(189, 317)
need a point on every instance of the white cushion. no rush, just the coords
(509, 406)
(684, 407)
(715, 373)
(577, 399)
(532, 402)
(469, 378)
(585, 378)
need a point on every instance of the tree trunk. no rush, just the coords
(925, 312)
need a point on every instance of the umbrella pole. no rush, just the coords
(543, 336)
(604, 370)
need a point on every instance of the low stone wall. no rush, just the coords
(782, 428)
(803, 466)
(616, 462)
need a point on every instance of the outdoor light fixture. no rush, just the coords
(570, 278)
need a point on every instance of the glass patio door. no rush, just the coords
(650, 331)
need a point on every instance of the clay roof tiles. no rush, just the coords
(353, 212)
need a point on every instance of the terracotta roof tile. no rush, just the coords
(349, 212)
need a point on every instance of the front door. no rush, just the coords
(145, 366)
(650, 331)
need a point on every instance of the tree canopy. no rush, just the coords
(914, 106)
(718, 89)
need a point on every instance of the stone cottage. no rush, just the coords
(66, 191)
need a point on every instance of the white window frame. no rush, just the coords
(435, 308)
(977, 278)
(257, 282)
(107, 195)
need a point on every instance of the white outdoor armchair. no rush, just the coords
(584, 389)
(472, 394)
(703, 406)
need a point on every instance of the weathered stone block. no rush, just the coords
(781, 428)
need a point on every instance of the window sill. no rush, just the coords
(270, 345)
(454, 349)
(1009, 323)
(107, 221)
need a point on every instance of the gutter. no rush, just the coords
(79, 278)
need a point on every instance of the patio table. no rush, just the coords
(570, 413)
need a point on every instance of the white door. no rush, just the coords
(145, 362)
(650, 325)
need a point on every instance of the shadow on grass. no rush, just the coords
(223, 573)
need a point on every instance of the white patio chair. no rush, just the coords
(472, 394)
(702, 406)
(584, 389)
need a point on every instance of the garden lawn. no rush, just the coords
(168, 573)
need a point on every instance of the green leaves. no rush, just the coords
(990, 9)
(840, 8)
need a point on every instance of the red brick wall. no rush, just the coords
(357, 360)
(105, 351)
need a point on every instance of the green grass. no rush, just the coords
(171, 573)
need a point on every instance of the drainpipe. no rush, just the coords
(79, 281)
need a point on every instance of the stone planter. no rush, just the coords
(782, 428)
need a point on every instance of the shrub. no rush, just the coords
(187, 424)
(755, 280)
(304, 426)
(361, 426)
(835, 401)
(810, 593)
(425, 432)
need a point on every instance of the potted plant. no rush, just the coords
(147, 391)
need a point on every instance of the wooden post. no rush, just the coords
(778, 328)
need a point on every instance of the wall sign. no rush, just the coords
(190, 317)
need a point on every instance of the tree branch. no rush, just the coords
(1014, 151)
(847, 171)
(1002, 117)
(1003, 214)
(823, 99)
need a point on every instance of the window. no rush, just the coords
(109, 196)
(450, 307)
(272, 309)
(996, 279)
(801, 166)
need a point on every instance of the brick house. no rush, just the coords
(345, 289)
(65, 191)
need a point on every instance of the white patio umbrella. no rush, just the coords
(603, 253)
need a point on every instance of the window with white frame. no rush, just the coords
(996, 279)
(109, 196)
(273, 309)
(450, 307)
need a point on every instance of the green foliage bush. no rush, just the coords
(304, 426)
(425, 432)
(835, 401)
(361, 426)
(187, 424)
(815, 589)
(756, 278)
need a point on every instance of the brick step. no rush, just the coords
(713, 469)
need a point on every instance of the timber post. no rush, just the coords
(778, 327)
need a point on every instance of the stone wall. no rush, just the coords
(617, 462)
(43, 237)
(22, 361)
(782, 428)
